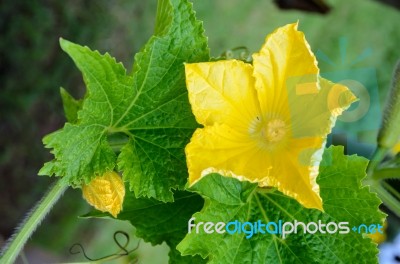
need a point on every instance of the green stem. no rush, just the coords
(375, 178)
(17, 241)
(391, 190)
(387, 173)
(391, 202)
(376, 159)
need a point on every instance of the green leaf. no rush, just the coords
(227, 199)
(81, 150)
(158, 222)
(149, 106)
(71, 106)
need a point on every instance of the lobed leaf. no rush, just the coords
(149, 106)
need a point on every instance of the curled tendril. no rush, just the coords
(243, 54)
(78, 248)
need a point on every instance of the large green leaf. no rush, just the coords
(149, 107)
(227, 199)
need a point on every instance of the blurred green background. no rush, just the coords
(33, 67)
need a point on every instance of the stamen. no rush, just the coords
(275, 130)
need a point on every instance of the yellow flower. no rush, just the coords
(106, 193)
(266, 122)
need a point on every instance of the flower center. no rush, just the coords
(275, 130)
(270, 133)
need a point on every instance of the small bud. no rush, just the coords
(390, 129)
(106, 193)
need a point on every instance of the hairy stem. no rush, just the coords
(33, 219)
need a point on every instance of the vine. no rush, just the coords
(185, 140)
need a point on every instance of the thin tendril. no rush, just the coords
(82, 250)
(123, 248)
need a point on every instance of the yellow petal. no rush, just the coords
(314, 114)
(285, 55)
(106, 193)
(222, 92)
(222, 149)
(294, 171)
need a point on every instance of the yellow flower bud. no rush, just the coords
(106, 193)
